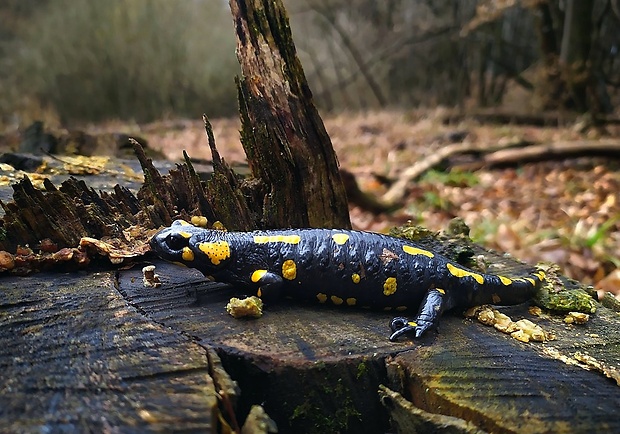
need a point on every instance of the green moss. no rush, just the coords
(411, 232)
(453, 178)
(573, 300)
(313, 415)
(362, 370)
(457, 227)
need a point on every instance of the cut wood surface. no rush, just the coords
(76, 357)
(86, 351)
(503, 386)
(315, 369)
(337, 357)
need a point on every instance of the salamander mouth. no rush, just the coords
(168, 244)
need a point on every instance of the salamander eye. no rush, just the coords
(176, 241)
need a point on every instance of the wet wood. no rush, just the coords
(117, 336)
(339, 357)
(504, 386)
(335, 357)
(75, 357)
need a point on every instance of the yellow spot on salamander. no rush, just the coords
(183, 223)
(412, 324)
(288, 239)
(459, 272)
(321, 297)
(216, 252)
(505, 280)
(415, 251)
(336, 300)
(441, 291)
(389, 287)
(340, 239)
(355, 278)
(351, 301)
(258, 275)
(541, 275)
(187, 254)
(289, 269)
(185, 234)
(259, 293)
(532, 281)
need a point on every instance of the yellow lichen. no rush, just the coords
(245, 307)
(336, 300)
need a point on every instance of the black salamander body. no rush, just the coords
(341, 267)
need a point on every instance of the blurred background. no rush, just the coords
(396, 82)
(73, 61)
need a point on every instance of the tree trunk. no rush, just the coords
(575, 50)
(284, 138)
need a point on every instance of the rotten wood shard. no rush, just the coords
(284, 138)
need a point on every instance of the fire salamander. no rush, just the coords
(341, 267)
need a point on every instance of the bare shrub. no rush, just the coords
(139, 59)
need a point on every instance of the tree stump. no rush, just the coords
(318, 369)
(288, 148)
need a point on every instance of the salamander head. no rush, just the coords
(183, 243)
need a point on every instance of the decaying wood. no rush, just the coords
(65, 214)
(407, 418)
(279, 119)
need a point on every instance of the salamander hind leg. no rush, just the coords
(428, 316)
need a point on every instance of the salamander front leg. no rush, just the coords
(269, 284)
(428, 315)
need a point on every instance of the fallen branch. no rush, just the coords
(398, 190)
(498, 155)
(551, 150)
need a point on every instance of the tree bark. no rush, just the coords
(284, 138)
(575, 50)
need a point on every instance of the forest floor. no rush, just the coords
(565, 211)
